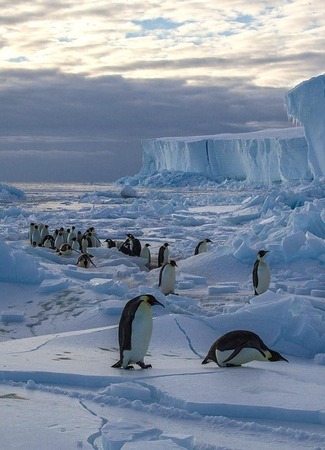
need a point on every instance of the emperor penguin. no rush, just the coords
(84, 260)
(36, 236)
(95, 242)
(65, 249)
(135, 245)
(75, 244)
(59, 240)
(44, 231)
(71, 234)
(240, 347)
(202, 246)
(163, 254)
(167, 278)
(261, 273)
(48, 241)
(30, 232)
(134, 332)
(145, 253)
(110, 243)
(84, 244)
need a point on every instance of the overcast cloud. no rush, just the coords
(82, 83)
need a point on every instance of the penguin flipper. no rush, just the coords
(255, 276)
(240, 348)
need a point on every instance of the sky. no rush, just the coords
(82, 83)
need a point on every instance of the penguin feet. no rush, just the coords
(129, 368)
(143, 365)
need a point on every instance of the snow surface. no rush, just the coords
(264, 156)
(58, 325)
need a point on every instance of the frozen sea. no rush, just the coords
(58, 322)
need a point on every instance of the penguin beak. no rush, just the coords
(156, 302)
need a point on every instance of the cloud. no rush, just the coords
(109, 116)
(96, 79)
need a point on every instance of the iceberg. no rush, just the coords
(306, 104)
(272, 155)
(261, 156)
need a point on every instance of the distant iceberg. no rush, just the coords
(271, 155)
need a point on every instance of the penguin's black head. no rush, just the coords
(147, 245)
(151, 300)
(166, 244)
(208, 240)
(130, 236)
(173, 263)
(275, 356)
(262, 253)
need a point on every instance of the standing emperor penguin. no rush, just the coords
(44, 231)
(75, 244)
(145, 253)
(134, 332)
(167, 278)
(240, 347)
(59, 240)
(135, 245)
(36, 236)
(261, 273)
(163, 254)
(30, 232)
(202, 246)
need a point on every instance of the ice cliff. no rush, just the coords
(306, 104)
(263, 156)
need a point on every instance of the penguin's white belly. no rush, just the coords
(203, 247)
(264, 277)
(140, 335)
(166, 257)
(84, 246)
(145, 253)
(36, 237)
(58, 241)
(168, 280)
(75, 245)
(47, 243)
(244, 356)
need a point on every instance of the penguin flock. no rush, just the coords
(65, 240)
(233, 349)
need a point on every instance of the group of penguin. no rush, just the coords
(135, 326)
(65, 240)
(167, 274)
(233, 349)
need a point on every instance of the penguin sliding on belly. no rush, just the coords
(240, 347)
(261, 273)
(134, 332)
